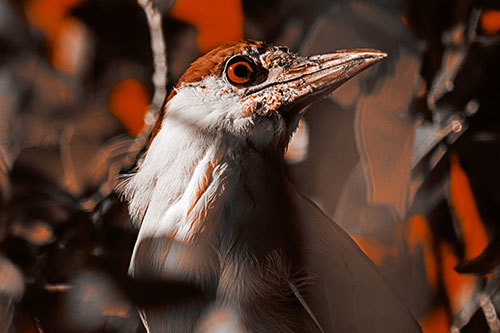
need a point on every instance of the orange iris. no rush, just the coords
(240, 72)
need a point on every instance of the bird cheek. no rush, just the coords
(262, 103)
(251, 108)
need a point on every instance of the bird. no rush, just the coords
(215, 208)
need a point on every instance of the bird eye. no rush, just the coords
(240, 71)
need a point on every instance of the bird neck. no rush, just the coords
(259, 247)
(258, 216)
(250, 240)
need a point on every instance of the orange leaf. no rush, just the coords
(464, 206)
(490, 21)
(128, 101)
(216, 21)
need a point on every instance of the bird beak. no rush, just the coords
(327, 72)
(307, 78)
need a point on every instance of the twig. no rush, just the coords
(158, 48)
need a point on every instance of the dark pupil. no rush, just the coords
(241, 71)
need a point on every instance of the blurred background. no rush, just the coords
(405, 157)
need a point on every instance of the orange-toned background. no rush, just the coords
(77, 75)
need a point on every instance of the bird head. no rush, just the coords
(257, 92)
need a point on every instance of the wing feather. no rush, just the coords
(347, 293)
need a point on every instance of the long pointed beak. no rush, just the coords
(326, 72)
(301, 80)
